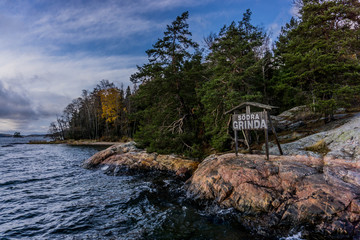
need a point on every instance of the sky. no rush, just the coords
(51, 50)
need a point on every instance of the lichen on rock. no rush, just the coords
(319, 147)
(342, 142)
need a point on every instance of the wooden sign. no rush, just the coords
(251, 121)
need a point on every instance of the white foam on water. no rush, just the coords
(296, 236)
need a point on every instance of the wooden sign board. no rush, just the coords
(250, 121)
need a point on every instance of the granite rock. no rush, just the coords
(287, 192)
(128, 157)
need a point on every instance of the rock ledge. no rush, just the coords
(127, 156)
(287, 192)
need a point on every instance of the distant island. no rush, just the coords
(17, 135)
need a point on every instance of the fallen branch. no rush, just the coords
(177, 126)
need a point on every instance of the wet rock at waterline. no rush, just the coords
(287, 192)
(99, 157)
(126, 156)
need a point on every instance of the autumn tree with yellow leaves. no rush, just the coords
(111, 102)
(101, 114)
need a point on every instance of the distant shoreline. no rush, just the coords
(76, 142)
(5, 135)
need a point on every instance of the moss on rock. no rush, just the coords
(319, 147)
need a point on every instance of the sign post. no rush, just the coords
(253, 121)
(266, 138)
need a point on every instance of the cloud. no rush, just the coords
(39, 76)
(93, 23)
(14, 105)
(35, 86)
(63, 75)
(295, 9)
(274, 29)
(53, 24)
(151, 5)
(51, 50)
(9, 126)
(17, 111)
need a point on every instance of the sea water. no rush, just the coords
(46, 194)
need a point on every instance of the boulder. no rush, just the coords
(99, 157)
(129, 158)
(287, 192)
(294, 118)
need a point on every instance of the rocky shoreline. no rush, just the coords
(285, 193)
(128, 157)
(300, 193)
(317, 194)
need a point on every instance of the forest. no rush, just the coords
(178, 100)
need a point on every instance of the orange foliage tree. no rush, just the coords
(111, 101)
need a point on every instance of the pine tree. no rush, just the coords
(320, 53)
(287, 94)
(236, 75)
(166, 99)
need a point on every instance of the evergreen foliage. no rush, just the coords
(235, 76)
(166, 100)
(181, 94)
(319, 53)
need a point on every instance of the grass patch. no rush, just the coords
(319, 147)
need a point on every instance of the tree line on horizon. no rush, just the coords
(182, 92)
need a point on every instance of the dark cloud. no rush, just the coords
(14, 105)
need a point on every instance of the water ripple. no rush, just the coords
(45, 194)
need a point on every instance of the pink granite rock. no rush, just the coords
(286, 192)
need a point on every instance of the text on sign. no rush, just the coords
(255, 120)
